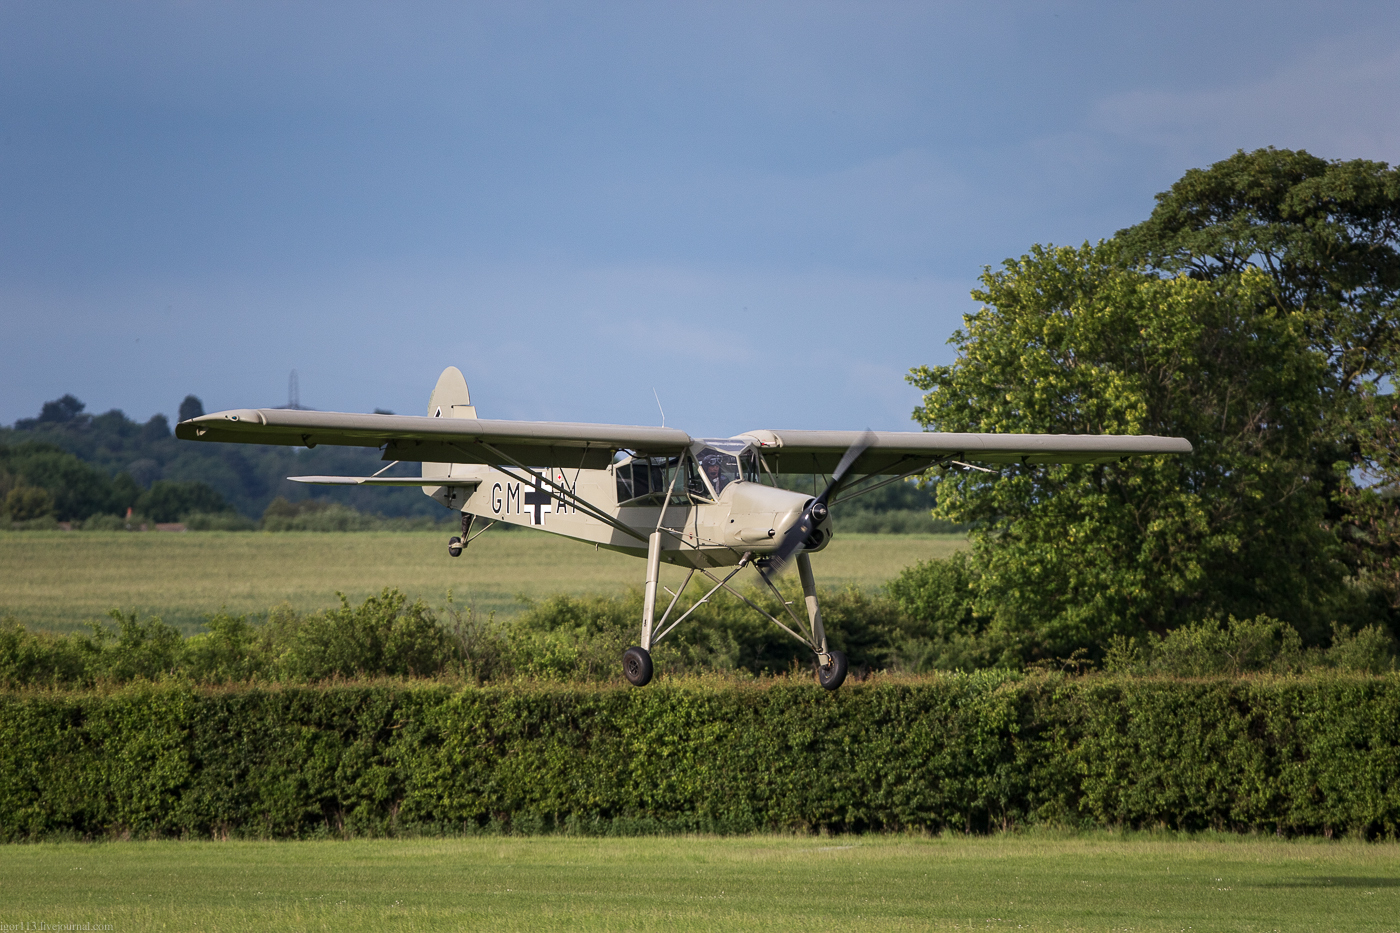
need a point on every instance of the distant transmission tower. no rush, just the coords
(293, 392)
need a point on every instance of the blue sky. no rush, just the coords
(767, 212)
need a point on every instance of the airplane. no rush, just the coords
(709, 505)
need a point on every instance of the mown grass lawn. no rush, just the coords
(57, 580)
(1096, 882)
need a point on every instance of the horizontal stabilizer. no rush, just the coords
(383, 481)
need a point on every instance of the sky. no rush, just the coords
(760, 214)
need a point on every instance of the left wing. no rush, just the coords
(437, 440)
(895, 452)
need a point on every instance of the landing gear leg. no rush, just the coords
(831, 664)
(636, 661)
(454, 543)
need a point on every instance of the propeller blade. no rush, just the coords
(816, 511)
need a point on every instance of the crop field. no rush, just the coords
(57, 580)
(675, 884)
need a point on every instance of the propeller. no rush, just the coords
(817, 510)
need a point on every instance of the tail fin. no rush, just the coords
(450, 398)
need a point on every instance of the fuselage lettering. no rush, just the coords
(513, 496)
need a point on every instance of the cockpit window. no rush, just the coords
(645, 480)
(720, 468)
(749, 465)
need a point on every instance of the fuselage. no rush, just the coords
(713, 503)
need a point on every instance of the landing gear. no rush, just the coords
(636, 666)
(454, 543)
(832, 674)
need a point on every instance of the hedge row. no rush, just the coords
(970, 752)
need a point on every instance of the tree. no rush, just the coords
(169, 501)
(1326, 233)
(24, 503)
(1075, 341)
(191, 407)
(61, 410)
(1328, 236)
(1253, 313)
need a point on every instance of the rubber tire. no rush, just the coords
(454, 546)
(834, 674)
(636, 666)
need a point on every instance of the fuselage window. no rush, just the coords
(644, 480)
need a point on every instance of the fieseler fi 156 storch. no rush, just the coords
(709, 505)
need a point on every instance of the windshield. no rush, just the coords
(720, 468)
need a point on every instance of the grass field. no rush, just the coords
(675, 884)
(56, 580)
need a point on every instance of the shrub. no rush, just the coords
(169, 500)
(386, 635)
(952, 752)
(217, 521)
(26, 503)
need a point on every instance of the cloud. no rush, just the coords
(1339, 102)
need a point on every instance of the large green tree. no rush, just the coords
(1254, 314)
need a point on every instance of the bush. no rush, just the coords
(1261, 644)
(954, 752)
(26, 503)
(217, 521)
(169, 500)
(385, 636)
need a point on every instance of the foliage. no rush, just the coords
(23, 503)
(113, 447)
(386, 636)
(1369, 525)
(46, 480)
(1327, 234)
(1253, 314)
(958, 752)
(1067, 556)
(1244, 646)
(170, 501)
(214, 521)
(191, 407)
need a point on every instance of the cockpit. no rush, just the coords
(700, 474)
(725, 461)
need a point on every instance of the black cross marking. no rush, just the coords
(539, 498)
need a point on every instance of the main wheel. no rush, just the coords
(832, 674)
(454, 546)
(636, 666)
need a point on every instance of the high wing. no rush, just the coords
(437, 440)
(895, 452)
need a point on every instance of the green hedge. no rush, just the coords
(971, 752)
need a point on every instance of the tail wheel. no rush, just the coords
(636, 666)
(454, 546)
(833, 673)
